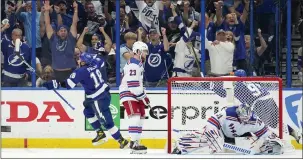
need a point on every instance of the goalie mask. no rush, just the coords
(244, 112)
(140, 49)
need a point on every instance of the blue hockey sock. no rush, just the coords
(115, 132)
(94, 122)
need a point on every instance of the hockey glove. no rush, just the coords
(143, 98)
(51, 85)
(146, 101)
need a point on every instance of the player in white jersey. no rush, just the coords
(133, 96)
(230, 123)
(148, 14)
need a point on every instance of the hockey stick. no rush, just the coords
(226, 146)
(238, 149)
(164, 72)
(31, 69)
(229, 147)
(149, 106)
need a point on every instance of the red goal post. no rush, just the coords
(198, 94)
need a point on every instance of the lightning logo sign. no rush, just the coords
(294, 108)
(14, 60)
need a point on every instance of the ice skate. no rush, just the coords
(100, 138)
(123, 142)
(176, 151)
(136, 148)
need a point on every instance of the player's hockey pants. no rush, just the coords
(96, 111)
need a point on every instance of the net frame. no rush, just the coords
(209, 79)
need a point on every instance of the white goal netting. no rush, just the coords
(191, 101)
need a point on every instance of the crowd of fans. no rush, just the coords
(65, 29)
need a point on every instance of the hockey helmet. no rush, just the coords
(140, 49)
(86, 58)
(240, 73)
(244, 112)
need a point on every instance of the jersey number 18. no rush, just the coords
(97, 77)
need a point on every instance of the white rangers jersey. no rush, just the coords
(227, 121)
(131, 87)
(148, 16)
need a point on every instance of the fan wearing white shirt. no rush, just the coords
(221, 53)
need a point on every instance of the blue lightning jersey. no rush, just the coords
(157, 63)
(256, 96)
(92, 78)
(13, 66)
(245, 92)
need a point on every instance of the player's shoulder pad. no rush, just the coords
(221, 114)
(231, 111)
(99, 61)
(80, 71)
(135, 62)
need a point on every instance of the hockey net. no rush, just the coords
(192, 100)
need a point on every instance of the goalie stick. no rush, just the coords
(226, 146)
(31, 69)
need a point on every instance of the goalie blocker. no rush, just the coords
(232, 122)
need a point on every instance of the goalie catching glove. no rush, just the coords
(215, 139)
(272, 147)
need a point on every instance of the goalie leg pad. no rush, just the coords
(189, 142)
(214, 137)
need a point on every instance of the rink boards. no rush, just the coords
(39, 119)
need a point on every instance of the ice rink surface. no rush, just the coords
(116, 153)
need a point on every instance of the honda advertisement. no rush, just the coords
(40, 113)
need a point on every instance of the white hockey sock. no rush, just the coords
(140, 127)
(134, 127)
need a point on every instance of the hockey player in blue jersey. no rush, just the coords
(231, 123)
(253, 94)
(257, 95)
(97, 97)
